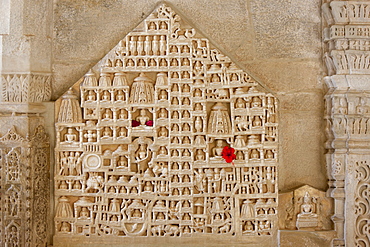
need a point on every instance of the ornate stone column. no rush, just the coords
(347, 56)
(25, 81)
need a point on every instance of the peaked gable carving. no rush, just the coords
(148, 157)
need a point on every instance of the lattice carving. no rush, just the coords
(146, 157)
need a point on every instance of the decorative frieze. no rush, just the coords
(25, 87)
(162, 115)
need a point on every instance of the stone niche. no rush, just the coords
(140, 140)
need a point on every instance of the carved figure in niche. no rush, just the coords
(186, 101)
(162, 113)
(162, 150)
(107, 132)
(122, 132)
(256, 102)
(141, 153)
(199, 180)
(175, 101)
(105, 96)
(148, 187)
(217, 150)
(142, 90)
(269, 154)
(199, 155)
(63, 185)
(107, 114)
(64, 209)
(120, 96)
(122, 162)
(163, 95)
(186, 88)
(84, 213)
(130, 63)
(198, 125)
(215, 78)
(162, 132)
(240, 103)
(198, 107)
(174, 62)
(219, 120)
(362, 107)
(186, 140)
(255, 154)
(77, 185)
(239, 155)
(175, 128)
(247, 210)
(197, 93)
(70, 136)
(307, 218)
(122, 114)
(175, 115)
(256, 121)
(12, 237)
(65, 227)
(143, 117)
(185, 127)
(91, 96)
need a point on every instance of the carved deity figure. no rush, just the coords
(217, 150)
(219, 120)
(142, 90)
(307, 218)
(143, 117)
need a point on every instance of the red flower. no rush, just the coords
(228, 154)
(135, 123)
(149, 123)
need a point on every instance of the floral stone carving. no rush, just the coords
(146, 157)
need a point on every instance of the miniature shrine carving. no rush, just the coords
(140, 153)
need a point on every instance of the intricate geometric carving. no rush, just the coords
(146, 157)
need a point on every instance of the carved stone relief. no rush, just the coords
(25, 87)
(24, 186)
(305, 208)
(144, 154)
(347, 114)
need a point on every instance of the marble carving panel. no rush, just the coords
(140, 152)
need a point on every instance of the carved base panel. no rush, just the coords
(170, 140)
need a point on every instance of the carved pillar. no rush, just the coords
(347, 55)
(25, 81)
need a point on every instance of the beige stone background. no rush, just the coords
(277, 41)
